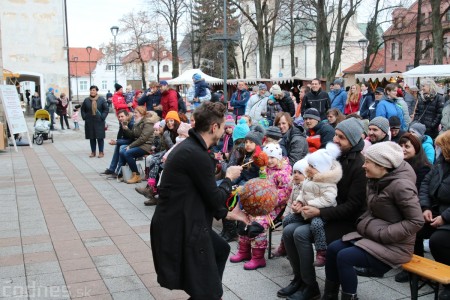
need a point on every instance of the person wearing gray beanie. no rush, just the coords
(352, 130)
(418, 129)
(256, 135)
(379, 130)
(273, 132)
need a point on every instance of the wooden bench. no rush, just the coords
(429, 272)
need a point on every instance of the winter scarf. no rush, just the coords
(226, 138)
(94, 104)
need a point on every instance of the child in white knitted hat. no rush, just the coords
(319, 190)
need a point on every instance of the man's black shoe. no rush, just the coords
(367, 272)
(294, 286)
(308, 292)
(107, 172)
(112, 176)
(403, 276)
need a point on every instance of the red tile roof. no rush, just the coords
(376, 66)
(148, 53)
(81, 68)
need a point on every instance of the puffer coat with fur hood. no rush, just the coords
(321, 190)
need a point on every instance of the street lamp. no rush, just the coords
(75, 59)
(114, 31)
(363, 45)
(89, 50)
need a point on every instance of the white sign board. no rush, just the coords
(13, 111)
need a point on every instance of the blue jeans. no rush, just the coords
(116, 157)
(342, 257)
(128, 156)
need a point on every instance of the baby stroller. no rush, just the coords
(42, 127)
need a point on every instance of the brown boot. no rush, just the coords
(145, 191)
(135, 178)
(101, 154)
(150, 202)
(92, 154)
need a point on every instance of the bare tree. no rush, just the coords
(171, 11)
(290, 21)
(375, 42)
(438, 31)
(418, 47)
(247, 46)
(264, 21)
(136, 26)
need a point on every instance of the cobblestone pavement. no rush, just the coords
(66, 233)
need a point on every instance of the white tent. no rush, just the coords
(428, 71)
(186, 78)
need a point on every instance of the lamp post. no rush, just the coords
(75, 59)
(89, 50)
(114, 31)
(363, 45)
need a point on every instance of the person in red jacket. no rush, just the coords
(169, 98)
(118, 99)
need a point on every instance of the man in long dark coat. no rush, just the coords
(188, 255)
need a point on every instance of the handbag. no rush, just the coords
(126, 173)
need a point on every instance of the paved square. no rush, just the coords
(68, 233)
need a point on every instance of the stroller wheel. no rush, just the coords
(39, 139)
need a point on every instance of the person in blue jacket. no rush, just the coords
(418, 129)
(387, 107)
(239, 99)
(339, 96)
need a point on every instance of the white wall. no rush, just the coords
(32, 49)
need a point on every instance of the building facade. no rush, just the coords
(400, 37)
(92, 69)
(37, 53)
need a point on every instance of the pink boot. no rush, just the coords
(257, 261)
(243, 252)
(281, 250)
(321, 258)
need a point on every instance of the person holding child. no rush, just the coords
(339, 219)
(318, 190)
(385, 233)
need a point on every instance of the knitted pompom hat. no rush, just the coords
(386, 154)
(229, 121)
(117, 87)
(322, 159)
(418, 129)
(241, 130)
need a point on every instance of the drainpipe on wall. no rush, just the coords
(66, 45)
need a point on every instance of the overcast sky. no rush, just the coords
(90, 20)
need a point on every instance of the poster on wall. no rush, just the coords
(13, 111)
